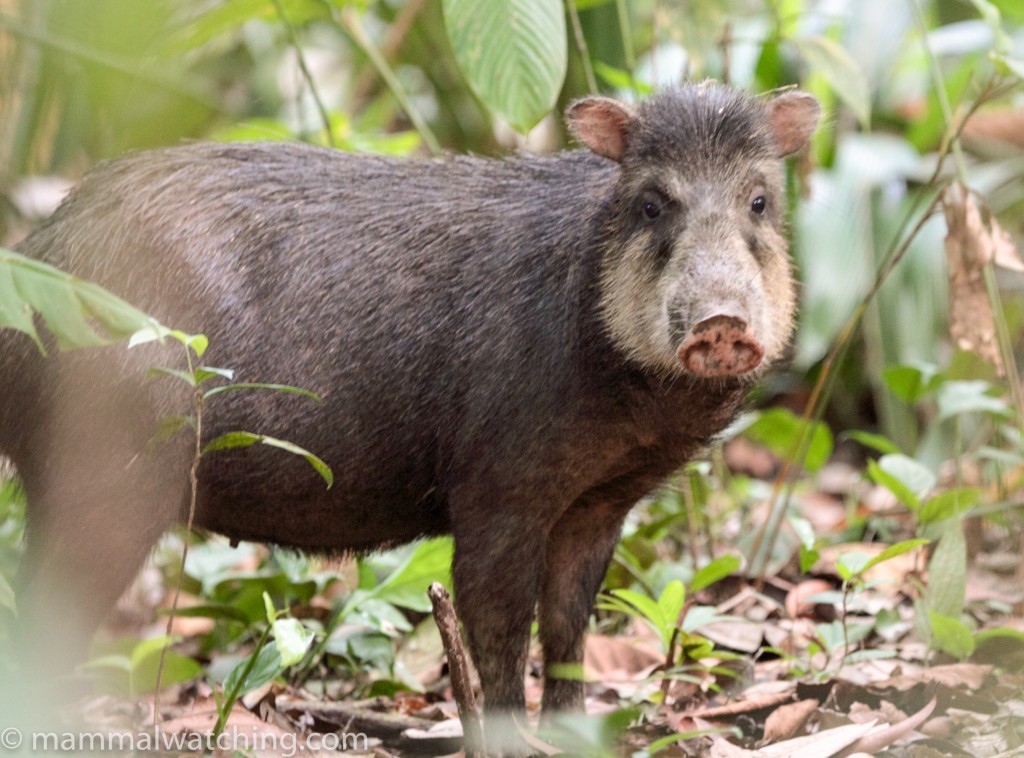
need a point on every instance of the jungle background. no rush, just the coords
(846, 558)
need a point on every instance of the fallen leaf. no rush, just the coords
(788, 720)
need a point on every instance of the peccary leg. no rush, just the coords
(579, 549)
(496, 572)
(98, 502)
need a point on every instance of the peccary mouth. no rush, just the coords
(720, 346)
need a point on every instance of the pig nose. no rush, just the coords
(720, 345)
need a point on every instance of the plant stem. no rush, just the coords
(351, 24)
(581, 45)
(293, 39)
(627, 36)
(193, 498)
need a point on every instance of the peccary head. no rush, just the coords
(696, 276)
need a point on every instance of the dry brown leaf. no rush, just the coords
(788, 720)
(968, 248)
(1004, 251)
(797, 598)
(882, 737)
(821, 745)
(970, 675)
(734, 635)
(618, 659)
(738, 707)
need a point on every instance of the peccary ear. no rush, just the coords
(602, 124)
(793, 117)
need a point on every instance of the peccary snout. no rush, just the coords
(720, 345)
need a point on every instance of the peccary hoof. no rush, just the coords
(721, 346)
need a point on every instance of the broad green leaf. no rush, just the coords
(407, 585)
(286, 388)
(175, 373)
(877, 442)
(671, 601)
(648, 609)
(79, 313)
(204, 373)
(910, 383)
(513, 53)
(780, 430)
(148, 647)
(844, 75)
(947, 573)
(894, 550)
(268, 665)
(851, 564)
(956, 397)
(292, 640)
(804, 531)
(1001, 632)
(951, 635)
(718, 569)
(892, 483)
(916, 477)
(808, 557)
(948, 504)
(1013, 65)
(247, 439)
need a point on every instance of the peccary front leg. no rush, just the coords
(579, 548)
(496, 571)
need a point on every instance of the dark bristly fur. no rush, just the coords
(494, 342)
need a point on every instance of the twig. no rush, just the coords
(193, 498)
(393, 40)
(581, 45)
(458, 668)
(351, 24)
(306, 74)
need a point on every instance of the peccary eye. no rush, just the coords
(759, 205)
(652, 204)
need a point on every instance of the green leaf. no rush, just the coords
(915, 478)
(209, 372)
(841, 71)
(852, 564)
(407, 585)
(292, 640)
(648, 609)
(911, 383)
(287, 388)
(268, 665)
(948, 504)
(671, 602)
(951, 635)
(184, 376)
(79, 313)
(808, 557)
(956, 397)
(781, 431)
(718, 569)
(231, 440)
(877, 442)
(947, 573)
(894, 550)
(513, 53)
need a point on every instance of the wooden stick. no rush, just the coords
(458, 669)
